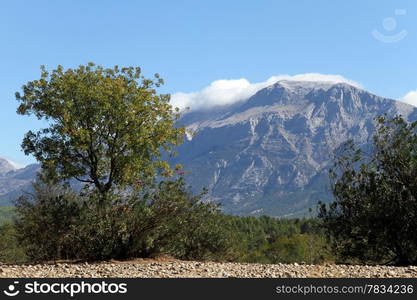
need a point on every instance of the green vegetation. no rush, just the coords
(166, 219)
(55, 223)
(6, 214)
(10, 249)
(373, 219)
(109, 130)
(269, 240)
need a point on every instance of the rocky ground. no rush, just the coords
(174, 268)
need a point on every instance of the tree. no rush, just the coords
(374, 216)
(107, 127)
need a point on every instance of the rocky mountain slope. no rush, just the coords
(270, 154)
(14, 181)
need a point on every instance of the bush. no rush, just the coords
(188, 228)
(373, 218)
(44, 221)
(55, 223)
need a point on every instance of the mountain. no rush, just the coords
(270, 153)
(14, 181)
(5, 166)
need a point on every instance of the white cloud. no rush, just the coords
(410, 98)
(229, 91)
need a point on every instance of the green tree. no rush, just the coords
(374, 216)
(107, 127)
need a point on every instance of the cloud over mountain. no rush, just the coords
(229, 91)
(410, 98)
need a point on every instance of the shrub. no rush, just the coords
(44, 220)
(55, 223)
(373, 218)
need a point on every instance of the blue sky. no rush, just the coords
(193, 43)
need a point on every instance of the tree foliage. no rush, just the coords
(107, 127)
(374, 216)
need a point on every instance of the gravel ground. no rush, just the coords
(187, 269)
